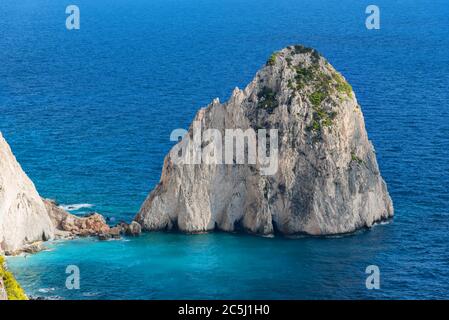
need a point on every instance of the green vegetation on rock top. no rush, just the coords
(320, 116)
(316, 98)
(12, 287)
(272, 60)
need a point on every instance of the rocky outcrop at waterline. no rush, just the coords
(327, 179)
(27, 220)
(90, 225)
(68, 225)
(23, 216)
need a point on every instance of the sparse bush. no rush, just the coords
(316, 98)
(315, 56)
(301, 49)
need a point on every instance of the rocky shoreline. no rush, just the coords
(10, 289)
(69, 226)
(328, 181)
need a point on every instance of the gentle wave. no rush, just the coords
(76, 207)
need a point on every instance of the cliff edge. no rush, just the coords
(27, 220)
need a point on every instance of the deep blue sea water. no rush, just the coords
(88, 114)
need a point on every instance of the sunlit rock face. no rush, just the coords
(326, 179)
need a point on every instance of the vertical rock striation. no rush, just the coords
(327, 181)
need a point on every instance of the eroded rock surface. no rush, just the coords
(92, 225)
(327, 182)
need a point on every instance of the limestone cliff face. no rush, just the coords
(327, 179)
(23, 216)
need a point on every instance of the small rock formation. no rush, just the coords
(23, 217)
(3, 295)
(327, 182)
(10, 289)
(133, 229)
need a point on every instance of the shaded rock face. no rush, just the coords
(132, 229)
(327, 180)
(23, 216)
(27, 220)
(3, 295)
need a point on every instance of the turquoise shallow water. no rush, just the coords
(89, 114)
